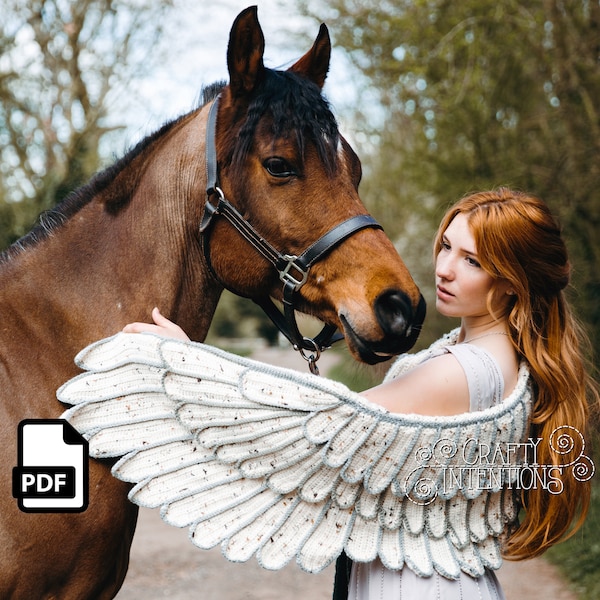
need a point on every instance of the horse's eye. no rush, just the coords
(279, 167)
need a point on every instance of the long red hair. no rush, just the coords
(519, 241)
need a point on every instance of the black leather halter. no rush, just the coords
(293, 270)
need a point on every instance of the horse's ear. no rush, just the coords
(245, 53)
(315, 63)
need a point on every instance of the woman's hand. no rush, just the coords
(162, 326)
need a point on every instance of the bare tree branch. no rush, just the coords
(63, 64)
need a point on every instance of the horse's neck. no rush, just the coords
(99, 271)
(53, 294)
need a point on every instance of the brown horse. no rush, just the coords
(130, 240)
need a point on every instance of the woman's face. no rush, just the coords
(462, 285)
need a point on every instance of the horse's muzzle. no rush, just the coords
(400, 323)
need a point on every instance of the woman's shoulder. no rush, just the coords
(487, 371)
(435, 387)
(496, 354)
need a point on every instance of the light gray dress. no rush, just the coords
(373, 581)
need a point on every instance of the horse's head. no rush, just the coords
(284, 166)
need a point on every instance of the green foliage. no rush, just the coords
(238, 317)
(357, 376)
(579, 557)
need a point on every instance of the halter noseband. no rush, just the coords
(293, 270)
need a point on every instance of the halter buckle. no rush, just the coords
(287, 277)
(210, 210)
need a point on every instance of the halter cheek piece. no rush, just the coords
(293, 270)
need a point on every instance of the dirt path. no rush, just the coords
(165, 564)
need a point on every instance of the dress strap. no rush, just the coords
(484, 376)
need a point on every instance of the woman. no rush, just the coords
(501, 267)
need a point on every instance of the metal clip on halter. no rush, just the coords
(312, 358)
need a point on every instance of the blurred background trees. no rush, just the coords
(65, 68)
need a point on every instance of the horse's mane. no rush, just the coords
(209, 92)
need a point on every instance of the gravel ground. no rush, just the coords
(165, 564)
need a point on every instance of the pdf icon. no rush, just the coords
(52, 474)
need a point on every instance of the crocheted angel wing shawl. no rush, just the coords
(280, 464)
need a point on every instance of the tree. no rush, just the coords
(477, 94)
(64, 67)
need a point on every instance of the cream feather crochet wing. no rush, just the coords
(281, 465)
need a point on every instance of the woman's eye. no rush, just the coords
(473, 262)
(279, 167)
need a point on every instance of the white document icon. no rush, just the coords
(52, 474)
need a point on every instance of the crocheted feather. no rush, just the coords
(277, 464)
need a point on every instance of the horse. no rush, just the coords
(140, 235)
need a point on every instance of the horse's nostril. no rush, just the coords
(394, 313)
